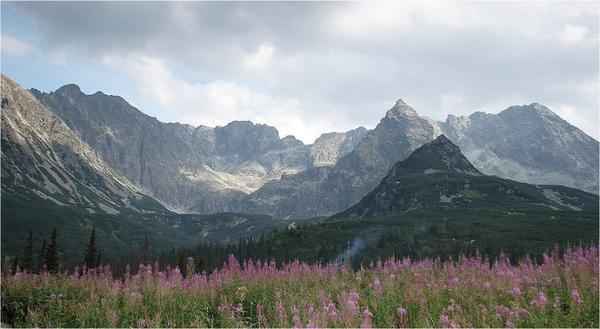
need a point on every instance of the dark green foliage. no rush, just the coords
(146, 250)
(99, 259)
(444, 234)
(121, 237)
(15, 265)
(42, 256)
(52, 254)
(28, 253)
(91, 258)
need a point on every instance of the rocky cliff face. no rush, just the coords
(527, 143)
(437, 175)
(41, 156)
(197, 169)
(247, 167)
(325, 191)
(330, 147)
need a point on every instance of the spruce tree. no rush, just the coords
(99, 258)
(15, 265)
(42, 256)
(52, 254)
(146, 250)
(90, 253)
(28, 253)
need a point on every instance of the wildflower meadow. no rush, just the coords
(560, 291)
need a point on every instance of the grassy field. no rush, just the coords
(561, 291)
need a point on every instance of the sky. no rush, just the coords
(309, 68)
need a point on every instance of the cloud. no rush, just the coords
(334, 66)
(14, 47)
(573, 34)
(260, 59)
(213, 103)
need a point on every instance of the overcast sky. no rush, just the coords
(309, 68)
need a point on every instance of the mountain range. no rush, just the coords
(248, 167)
(80, 161)
(438, 175)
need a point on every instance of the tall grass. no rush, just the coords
(560, 292)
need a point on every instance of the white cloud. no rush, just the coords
(578, 118)
(215, 102)
(331, 65)
(14, 47)
(573, 34)
(364, 19)
(260, 59)
(453, 103)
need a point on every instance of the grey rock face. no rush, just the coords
(330, 147)
(42, 156)
(197, 169)
(247, 167)
(437, 175)
(325, 191)
(527, 143)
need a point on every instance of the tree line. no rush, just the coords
(47, 257)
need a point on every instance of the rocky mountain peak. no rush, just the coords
(400, 102)
(439, 155)
(400, 110)
(533, 109)
(69, 90)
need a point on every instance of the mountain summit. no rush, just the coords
(400, 109)
(440, 155)
(437, 175)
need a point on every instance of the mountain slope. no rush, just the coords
(524, 143)
(527, 143)
(327, 191)
(42, 156)
(198, 169)
(438, 175)
(248, 168)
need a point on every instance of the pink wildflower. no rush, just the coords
(281, 314)
(377, 287)
(296, 317)
(575, 297)
(540, 301)
(367, 321)
(260, 315)
(516, 292)
(402, 316)
(444, 321)
(401, 312)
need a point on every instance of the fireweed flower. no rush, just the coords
(421, 280)
(540, 300)
(296, 317)
(575, 297)
(260, 315)
(444, 321)
(402, 314)
(281, 314)
(367, 321)
(516, 292)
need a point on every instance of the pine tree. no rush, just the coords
(52, 254)
(42, 256)
(90, 253)
(146, 250)
(28, 253)
(15, 265)
(99, 258)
